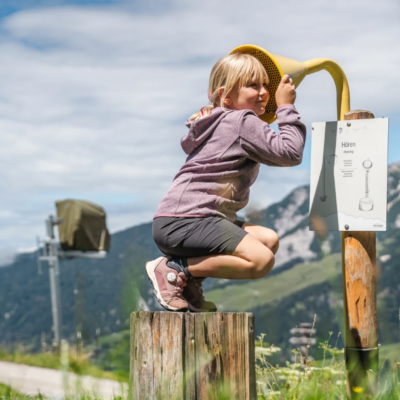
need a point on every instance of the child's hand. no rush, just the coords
(286, 92)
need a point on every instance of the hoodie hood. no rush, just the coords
(201, 130)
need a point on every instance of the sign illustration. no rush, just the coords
(366, 204)
(349, 175)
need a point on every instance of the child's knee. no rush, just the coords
(261, 266)
(274, 243)
(270, 239)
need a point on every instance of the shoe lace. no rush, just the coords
(181, 280)
(180, 283)
(178, 291)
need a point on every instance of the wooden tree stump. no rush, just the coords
(192, 356)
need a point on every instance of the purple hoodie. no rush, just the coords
(225, 151)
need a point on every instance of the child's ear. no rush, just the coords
(220, 92)
(227, 100)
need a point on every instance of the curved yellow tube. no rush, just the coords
(342, 86)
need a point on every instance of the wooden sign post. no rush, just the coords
(360, 314)
(348, 193)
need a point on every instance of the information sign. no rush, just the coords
(348, 188)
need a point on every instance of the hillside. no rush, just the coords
(94, 293)
(305, 281)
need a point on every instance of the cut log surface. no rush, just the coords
(192, 356)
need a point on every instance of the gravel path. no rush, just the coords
(49, 382)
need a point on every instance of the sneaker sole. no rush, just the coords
(150, 267)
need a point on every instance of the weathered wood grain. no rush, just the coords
(251, 358)
(360, 308)
(168, 356)
(189, 358)
(358, 114)
(142, 361)
(209, 377)
(359, 253)
(360, 272)
(192, 356)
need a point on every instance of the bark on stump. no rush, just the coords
(361, 322)
(192, 356)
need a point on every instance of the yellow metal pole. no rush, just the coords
(342, 86)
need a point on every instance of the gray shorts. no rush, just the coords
(195, 237)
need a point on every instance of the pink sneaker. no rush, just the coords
(193, 293)
(167, 285)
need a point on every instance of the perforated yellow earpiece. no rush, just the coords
(278, 66)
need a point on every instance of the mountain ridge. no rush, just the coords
(102, 293)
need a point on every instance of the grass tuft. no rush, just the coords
(79, 366)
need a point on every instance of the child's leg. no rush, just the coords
(228, 252)
(266, 236)
(251, 260)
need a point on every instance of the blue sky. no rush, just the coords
(95, 94)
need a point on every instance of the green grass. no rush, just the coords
(8, 393)
(321, 380)
(52, 361)
(5, 391)
(389, 353)
(324, 379)
(246, 296)
(112, 353)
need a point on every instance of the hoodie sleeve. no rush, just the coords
(261, 144)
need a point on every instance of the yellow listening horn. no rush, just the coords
(277, 66)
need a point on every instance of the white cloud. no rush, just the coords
(28, 250)
(7, 256)
(93, 99)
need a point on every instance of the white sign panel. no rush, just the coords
(348, 189)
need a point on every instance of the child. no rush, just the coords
(195, 224)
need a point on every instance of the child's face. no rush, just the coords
(254, 97)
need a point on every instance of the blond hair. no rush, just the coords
(239, 68)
